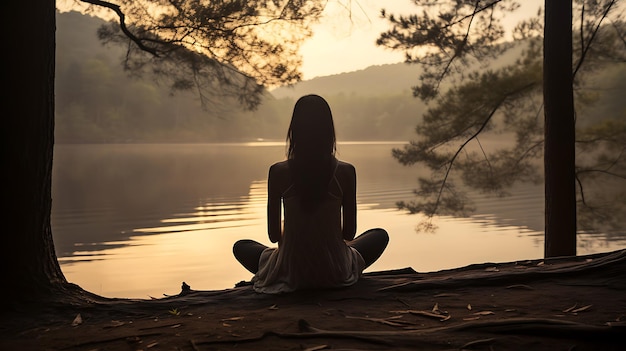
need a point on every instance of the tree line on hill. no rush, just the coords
(98, 102)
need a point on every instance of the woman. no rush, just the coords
(316, 244)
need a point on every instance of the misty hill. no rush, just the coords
(97, 102)
(379, 80)
(391, 79)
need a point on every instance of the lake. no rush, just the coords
(136, 220)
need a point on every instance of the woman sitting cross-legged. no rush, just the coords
(316, 244)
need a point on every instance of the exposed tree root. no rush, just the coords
(607, 270)
(515, 326)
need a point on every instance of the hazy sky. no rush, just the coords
(345, 40)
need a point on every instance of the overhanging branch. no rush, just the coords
(472, 137)
(123, 27)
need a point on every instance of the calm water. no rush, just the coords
(137, 220)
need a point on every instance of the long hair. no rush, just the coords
(311, 149)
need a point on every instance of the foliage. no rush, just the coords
(97, 103)
(481, 102)
(446, 37)
(222, 49)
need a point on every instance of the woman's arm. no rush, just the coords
(274, 192)
(348, 185)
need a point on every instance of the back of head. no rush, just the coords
(311, 150)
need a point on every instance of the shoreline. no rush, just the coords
(535, 304)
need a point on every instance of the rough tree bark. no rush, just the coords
(559, 153)
(30, 267)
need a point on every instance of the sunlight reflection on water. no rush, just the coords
(197, 249)
(138, 220)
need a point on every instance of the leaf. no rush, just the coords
(567, 310)
(115, 324)
(232, 319)
(471, 318)
(469, 307)
(273, 307)
(446, 295)
(483, 313)
(581, 309)
(492, 269)
(520, 286)
(392, 321)
(429, 314)
(473, 344)
(78, 320)
(174, 312)
(436, 308)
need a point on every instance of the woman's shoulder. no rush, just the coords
(280, 165)
(345, 169)
(279, 169)
(345, 166)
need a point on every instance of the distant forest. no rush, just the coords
(98, 102)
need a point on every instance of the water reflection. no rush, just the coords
(137, 220)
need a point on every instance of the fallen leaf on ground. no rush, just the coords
(567, 310)
(436, 308)
(392, 321)
(492, 269)
(115, 323)
(447, 295)
(232, 319)
(581, 309)
(441, 317)
(473, 344)
(78, 320)
(469, 307)
(520, 286)
(483, 313)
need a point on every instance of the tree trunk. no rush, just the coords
(30, 268)
(559, 153)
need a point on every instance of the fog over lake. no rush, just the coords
(136, 220)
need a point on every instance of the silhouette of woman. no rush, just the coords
(316, 244)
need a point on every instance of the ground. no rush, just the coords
(576, 303)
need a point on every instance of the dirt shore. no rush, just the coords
(576, 303)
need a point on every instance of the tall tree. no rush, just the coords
(559, 151)
(29, 262)
(452, 38)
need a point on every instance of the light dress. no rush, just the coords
(312, 253)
